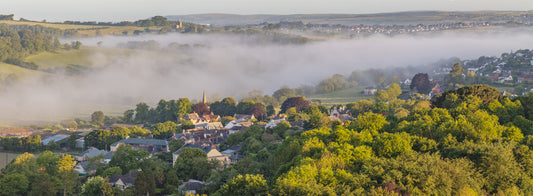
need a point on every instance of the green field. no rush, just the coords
(83, 30)
(340, 97)
(6, 157)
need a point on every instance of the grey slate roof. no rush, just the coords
(56, 138)
(142, 141)
(92, 152)
(206, 150)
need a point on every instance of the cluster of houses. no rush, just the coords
(371, 29)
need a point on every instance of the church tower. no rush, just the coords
(204, 100)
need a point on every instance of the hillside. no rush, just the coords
(419, 17)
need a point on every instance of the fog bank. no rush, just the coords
(228, 66)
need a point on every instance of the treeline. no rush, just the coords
(22, 144)
(6, 17)
(47, 174)
(154, 21)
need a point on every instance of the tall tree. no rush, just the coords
(97, 118)
(192, 163)
(456, 76)
(67, 173)
(201, 109)
(421, 83)
(127, 158)
(284, 93)
(14, 184)
(145, 183)
(142, 113)
(128, 116)
(258, 110)
(244, 107)
(297, 102)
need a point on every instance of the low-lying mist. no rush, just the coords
(227, 65)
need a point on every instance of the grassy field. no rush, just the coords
(340, 97)
(6, 157)
(19, 72)
(83, 30)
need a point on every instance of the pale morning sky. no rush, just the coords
(118, 10)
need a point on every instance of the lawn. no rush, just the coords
(340, 97)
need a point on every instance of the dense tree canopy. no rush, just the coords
(297, 102)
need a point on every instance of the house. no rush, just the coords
(237, 129)
(80, 143)
(245, 117)
(211, 151)
(83, 170)
(149, 145)
(123, 181)
(233, 153)
(214, 154)
(209, 126)
(274, 122)
(195, 118)
(90, 153)
(369, 91)
(341, 114)
(204, 137)
(55, 138)
(211, 117)
(241, 122)
(505, 78)
(407, 81)
(192, 186)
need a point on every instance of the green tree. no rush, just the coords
(226, 107)
(283, 93)
(192, 163)
(128, 116)
(127, 158)
(392, 145)
(98, 138)
(92, 186)
(145, 183)
(97, 118)
(175, 144)
(43, 185)
(394, 90)
(110, 171)
(14, 185)
(456, 78)
(245, 185)
(164, 130)
(48, 161)
(244, 107)
(142, 113)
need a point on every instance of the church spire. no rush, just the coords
(204, 100)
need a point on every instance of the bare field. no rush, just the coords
(6, 157)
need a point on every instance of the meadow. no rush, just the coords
(340, 97)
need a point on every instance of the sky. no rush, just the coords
(120, 10)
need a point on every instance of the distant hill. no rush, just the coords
(417, 17)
